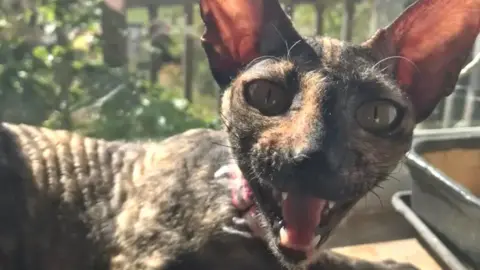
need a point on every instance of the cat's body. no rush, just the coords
(73, 202)
(68, 200)
(312, 126)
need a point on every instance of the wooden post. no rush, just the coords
(152, 18)
(384, 12)
(219, 99)
(348, 15)
(447, 115)
(473, 89)
(114, 26)
(189, 53)
(320, 9)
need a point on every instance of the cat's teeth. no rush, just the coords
(284, 195)
(331, 204)
(316, 240)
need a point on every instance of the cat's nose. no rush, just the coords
(324, 161)
(324, 156)
(306, 151)
(316, 160)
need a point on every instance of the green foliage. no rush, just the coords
(52, 73)
(205, 89)
(150, 114)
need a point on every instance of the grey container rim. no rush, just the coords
(446, 140)
(442, 251)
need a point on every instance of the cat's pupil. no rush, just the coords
(267, 97)
(377, 116)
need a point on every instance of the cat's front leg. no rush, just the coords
(330, 260)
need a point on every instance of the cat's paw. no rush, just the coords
(242, 197)
(394, 265)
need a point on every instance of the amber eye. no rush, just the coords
(379, 116)
(268, 97)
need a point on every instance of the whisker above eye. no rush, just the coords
(291, 48)
(280, 35)
(396, 57)
(260, 58)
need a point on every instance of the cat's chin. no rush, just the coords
(295, 225)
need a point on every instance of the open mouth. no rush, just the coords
(298, 223)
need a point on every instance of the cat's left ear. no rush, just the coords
(238, 31)
(428, 45)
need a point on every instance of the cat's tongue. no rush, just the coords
(302, 215)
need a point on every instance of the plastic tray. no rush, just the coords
(401, 203)
(450, 208)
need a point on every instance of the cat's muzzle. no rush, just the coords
(298, 223)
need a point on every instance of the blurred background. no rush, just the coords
(124, 69)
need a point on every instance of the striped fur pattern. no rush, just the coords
(73, 202)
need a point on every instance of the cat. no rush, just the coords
(310, 127)
(314, 124)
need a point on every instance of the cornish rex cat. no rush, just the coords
(311, 125)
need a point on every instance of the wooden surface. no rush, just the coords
(460, 164)
(408, 250)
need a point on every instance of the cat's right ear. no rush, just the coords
(426, 48)
(239, 31)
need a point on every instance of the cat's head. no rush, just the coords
(316, 124)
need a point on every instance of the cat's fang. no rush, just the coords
(284, 195)
(285, 241)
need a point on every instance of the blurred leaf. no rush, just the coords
(41, 53)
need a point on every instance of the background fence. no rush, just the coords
(135, 68)
(457, 110)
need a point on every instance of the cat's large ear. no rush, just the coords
(428, 43)
(238, 31)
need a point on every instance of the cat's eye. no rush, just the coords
(379, 116)
(268, 97)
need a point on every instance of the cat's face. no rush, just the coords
(308, 131)
(314, 125)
